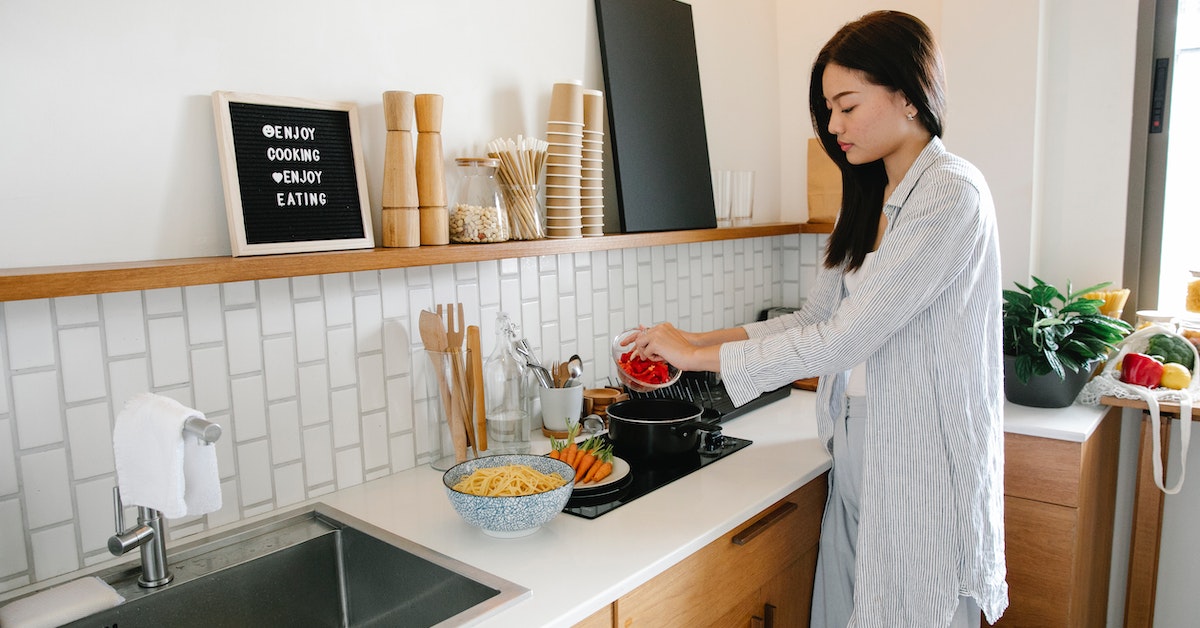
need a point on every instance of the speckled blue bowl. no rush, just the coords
(509, 517)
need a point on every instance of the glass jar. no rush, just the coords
(508, 422)
(478, 212)
(1192, 304)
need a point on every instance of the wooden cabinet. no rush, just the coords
(1059, 502)
(759, 574)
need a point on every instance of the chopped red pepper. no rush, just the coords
(1140, 369)
(644, 370)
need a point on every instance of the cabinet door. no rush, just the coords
(728, 581)
(1040, 562)
(602, 618)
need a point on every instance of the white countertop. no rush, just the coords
(1074, 423)
(630, 545)
(623, 548)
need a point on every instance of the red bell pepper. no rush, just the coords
(643, 370)
(1140, 369)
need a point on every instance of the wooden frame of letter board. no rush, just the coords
(226, 148)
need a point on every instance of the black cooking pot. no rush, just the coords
(654, 427)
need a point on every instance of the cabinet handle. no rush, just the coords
(760, 526)
(767, 620)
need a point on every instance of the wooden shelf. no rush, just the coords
(43, 282)
(1163, 407)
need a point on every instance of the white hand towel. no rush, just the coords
(160, 467)
(61, 604)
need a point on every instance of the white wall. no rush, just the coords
(109, 154)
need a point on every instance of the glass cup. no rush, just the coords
(742, 197)
(445, 393)
(721, 196)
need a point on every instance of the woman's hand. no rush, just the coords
(685, 350)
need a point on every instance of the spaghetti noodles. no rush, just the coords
(508, 481)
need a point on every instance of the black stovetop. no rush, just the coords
(645, 476)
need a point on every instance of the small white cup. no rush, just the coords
(561, 407)
(742, 206)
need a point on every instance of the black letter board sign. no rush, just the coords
(293, 174)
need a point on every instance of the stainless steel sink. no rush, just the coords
(314, 567)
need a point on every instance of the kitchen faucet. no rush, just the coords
(150, 532)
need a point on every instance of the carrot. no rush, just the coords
(603, 471)
(568, 455)
(603, 457)
(587, 458)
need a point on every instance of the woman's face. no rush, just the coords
(869, 121)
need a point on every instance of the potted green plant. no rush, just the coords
(1052, 342)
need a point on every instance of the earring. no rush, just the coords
(910, 117)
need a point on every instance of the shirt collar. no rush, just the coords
(929, 155)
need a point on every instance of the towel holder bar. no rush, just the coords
(207, 431)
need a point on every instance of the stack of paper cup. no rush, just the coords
(564, 155)
(591, 190)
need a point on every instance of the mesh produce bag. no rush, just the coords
(1108, 382)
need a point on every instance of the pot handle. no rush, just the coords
(684, 430)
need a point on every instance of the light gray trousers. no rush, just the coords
(833, 591)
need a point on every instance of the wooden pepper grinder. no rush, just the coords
(431, 176)
(401, 217)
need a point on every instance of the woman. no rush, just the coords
(903, 325)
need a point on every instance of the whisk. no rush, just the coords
(521, 163)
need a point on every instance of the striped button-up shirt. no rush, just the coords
(926, 323)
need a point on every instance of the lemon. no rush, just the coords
(1175, 376)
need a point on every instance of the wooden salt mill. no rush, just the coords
(431, 176)
(401, 218)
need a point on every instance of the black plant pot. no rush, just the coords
(1044, 391)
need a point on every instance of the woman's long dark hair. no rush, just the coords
(894, 50)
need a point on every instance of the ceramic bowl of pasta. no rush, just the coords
(509, 495)
(637, 373)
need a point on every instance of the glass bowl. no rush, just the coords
(630, 382)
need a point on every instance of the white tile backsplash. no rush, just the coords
(249, 408)
(275, 300)
(314, 394)
(77, 310)
(279, 364)
(46, 487)
(8, 463)
(94, 499)
(320, 382)
(82, 360)
(162, 301)
(243, 341)
(168, 352)
(285, 432)
(89, 436)
(13, 547)
(210, 379)
(30, 334)
(54, 551)
(205, 323)
(254, 472)
(318, 456)
(36, 406)
(124, 323)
